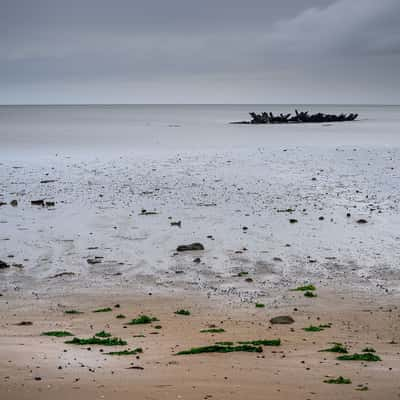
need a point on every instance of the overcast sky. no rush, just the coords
(208, 51)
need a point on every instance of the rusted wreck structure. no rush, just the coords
(299, 118)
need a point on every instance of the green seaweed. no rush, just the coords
(57, 333)
(103, 334)
(120, 316)
(242, 273)
(107, 309)
(225, 343)
(339, 381)
(336, 348)
(360, 357)
(310, 294)
(72, 312)
(369, 350)
(142, 319)
(125, 352)
(182, 312)
(213, 330)
(274, 342)
(313, 328)
(260, 305)
(95, 340)
(307, 288)
(221, 349)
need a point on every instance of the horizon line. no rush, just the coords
(194, 104)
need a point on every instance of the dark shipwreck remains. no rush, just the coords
(299, 118)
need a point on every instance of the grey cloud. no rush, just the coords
(257, 51)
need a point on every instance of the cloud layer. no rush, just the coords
(212, 51)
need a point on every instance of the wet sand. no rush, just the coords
(270, 218)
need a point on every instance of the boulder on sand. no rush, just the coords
(282, 319)
(190, 247)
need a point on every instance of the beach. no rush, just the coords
(116, 190)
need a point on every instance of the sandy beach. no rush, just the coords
(97, 226)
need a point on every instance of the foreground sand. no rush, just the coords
(294, 370)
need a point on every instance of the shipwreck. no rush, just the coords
(302, 117)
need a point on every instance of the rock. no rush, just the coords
(362, 221)
(293, 221)
(197, 260)
(282, 319)
(50, 203)
(14, 203)
(37, 203)
(96, 260)
(48, 181)
(4, 265)
(190, 247)
(177, 223)
(25, 323)
(63, 274)
(145, 212)
(2, 203)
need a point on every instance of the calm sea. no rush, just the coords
(99, 129)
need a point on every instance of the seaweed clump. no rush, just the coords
(95, 340)
(143, 319)
(339, 381)
(125, 352)
(57, 333)
(213, 330)
(359, 357)
(336, 348)
(217, 348)
(182, 312)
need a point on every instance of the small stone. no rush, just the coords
(190, 247)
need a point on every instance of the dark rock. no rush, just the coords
(362, 221)
(14, 203)
(50, 203)
(61, 274)
(4, 265)
(177, 223)
(37, 203)
(197, 260)
(145, 212)
(48, 181)
(293, 221)
(2, 203)
(25, 323)
(92, 261)
(190, 247)
(282, 319)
